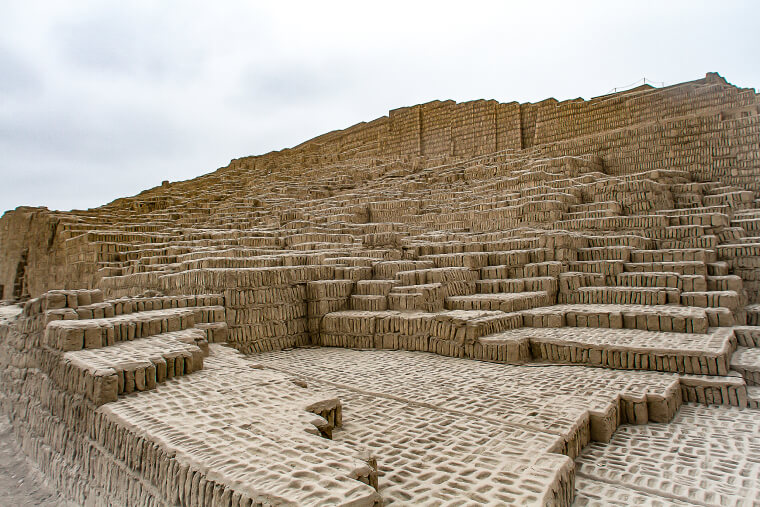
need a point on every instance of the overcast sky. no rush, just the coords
(100, 100)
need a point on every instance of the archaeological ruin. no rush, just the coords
(552, 303)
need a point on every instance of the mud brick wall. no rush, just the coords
(706, 127)
(33, 254)
(508, 135)
(708, 147)
(404, 130)
(557, 121)
(96, 454)
(474, 128)
(436, 128)
(266, 308)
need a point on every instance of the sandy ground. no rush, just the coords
(21, 483)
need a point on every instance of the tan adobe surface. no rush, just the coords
(456, 304)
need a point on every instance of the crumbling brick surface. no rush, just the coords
(514, 282)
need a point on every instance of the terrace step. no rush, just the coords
(101, 375)
(89, 304)
(724, 282)
(679, 319)
(753, 396)
(753, 314)
(451, 333)
(624, 295)
(746, 361)
(680, 267)
(216, 332)
(720, 268)
(712, 299)
(68, 335)
(673, 255)
(505, 302)
(661, 279)
(737, 200)
(751, 225)
(370, 303)
(729, 389)
(747, 336)
(572, 215)
(612, 206)
(514, 285)
(504, 347)
(605, 267)
(427, 297)
(705, 219)
(724, 317)
(622, 253)
(704, 354)
(374, 287)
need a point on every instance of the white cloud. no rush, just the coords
(104, 99)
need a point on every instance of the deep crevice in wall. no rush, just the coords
(19, 283)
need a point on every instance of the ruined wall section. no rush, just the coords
(14, 239)
(708, 147)
(404, 131)
(468, 129)
(508, 134)
(434, 129)
(707, 127)
(474, 129)
(32, 241)
(558, 121)
(75, 408)
(266, 307)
